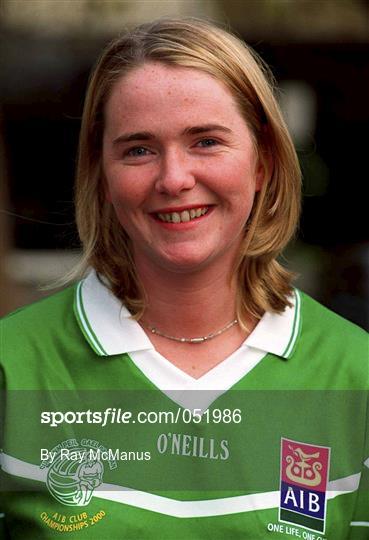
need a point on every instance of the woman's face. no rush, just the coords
(180, 167)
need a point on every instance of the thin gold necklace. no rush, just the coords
(200, 339)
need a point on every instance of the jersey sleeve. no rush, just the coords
(3, 534)
(359, 526)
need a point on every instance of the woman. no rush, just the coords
(186, 333)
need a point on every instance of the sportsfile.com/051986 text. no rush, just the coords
(113, 415)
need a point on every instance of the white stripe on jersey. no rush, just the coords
(176, 508)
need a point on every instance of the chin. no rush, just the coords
(184, 263)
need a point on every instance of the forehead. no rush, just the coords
(156, 87)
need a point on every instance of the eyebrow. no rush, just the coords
(147, 135)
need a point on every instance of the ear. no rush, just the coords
(264, 168)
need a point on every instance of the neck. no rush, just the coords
(188, 304)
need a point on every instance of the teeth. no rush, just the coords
(183, 217)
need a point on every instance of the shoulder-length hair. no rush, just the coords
(263, 284)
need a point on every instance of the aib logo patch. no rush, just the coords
(304, 477)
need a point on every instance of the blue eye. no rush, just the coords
(206, 143)
(138, 151)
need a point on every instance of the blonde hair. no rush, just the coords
(263, 284)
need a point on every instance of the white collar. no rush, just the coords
(109, 328)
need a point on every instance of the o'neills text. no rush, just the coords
(190, 445)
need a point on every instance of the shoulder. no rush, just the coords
(319, 320)
(34, 327)
(335, 349)
(40, 342)
(41, 314)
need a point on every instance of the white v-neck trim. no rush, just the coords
(110, 330)
(199, 393)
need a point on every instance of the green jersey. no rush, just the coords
(102, 437)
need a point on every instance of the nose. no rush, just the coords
(175, 173)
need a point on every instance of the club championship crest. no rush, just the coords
(75, 470)
(304, 477)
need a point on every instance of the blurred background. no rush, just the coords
(318, 51)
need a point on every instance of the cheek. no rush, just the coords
(240, 187)
(243, 194)
(122, 202)
(122, 191)
(121, 186)
(128, 201)
(123, 209)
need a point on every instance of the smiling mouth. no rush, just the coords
(183, 217)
